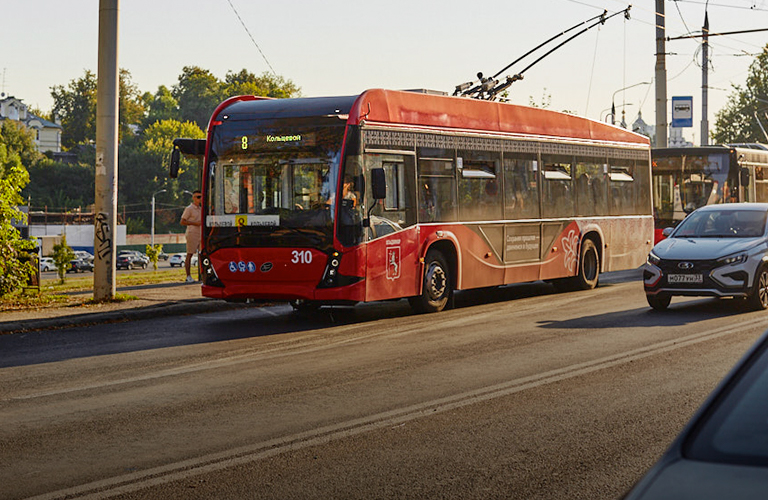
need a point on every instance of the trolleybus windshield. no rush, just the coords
(272, 184)
(683, 183)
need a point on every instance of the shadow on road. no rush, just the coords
(274, 319)
(678, 314)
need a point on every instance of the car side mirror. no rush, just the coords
(667, 231)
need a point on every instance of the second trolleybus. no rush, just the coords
(402, 194)
(685, 179)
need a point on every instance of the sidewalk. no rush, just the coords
(152, 301)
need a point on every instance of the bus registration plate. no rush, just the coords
(685, 278)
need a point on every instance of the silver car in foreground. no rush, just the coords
(717, 251)
(723, 451)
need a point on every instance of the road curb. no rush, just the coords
(178, 308)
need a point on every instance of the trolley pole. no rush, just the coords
(661, 78)
(705, 82)
(105, 221)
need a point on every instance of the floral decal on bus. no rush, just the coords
(571, 249)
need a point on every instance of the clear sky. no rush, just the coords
(342, 47)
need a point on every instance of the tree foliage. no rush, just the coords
(738, 121)
(76, 106)
(62, 255)
(148, 124)
(15, 266)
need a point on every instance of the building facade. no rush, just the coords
(47, 134)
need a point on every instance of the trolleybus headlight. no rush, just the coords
(332, 269)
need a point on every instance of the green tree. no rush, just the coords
(146, 158)
(198, 92)
(160, 106)
(267, 85)
(153, 252)
(132, 108)
(15, 270)
(62, 255)
(76, 105)
(19, 141)
(60, 186)
(738, 120)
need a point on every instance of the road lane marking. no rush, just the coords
(182, 470)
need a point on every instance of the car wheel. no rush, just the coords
(758, 299)
(659, 302)
(437, 288)
(143, 265)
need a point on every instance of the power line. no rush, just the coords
(752, 8)
(251, 37)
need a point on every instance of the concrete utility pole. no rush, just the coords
(705, 82)
(661, 77)
(105, 222)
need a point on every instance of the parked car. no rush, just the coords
(47, 264)
(177, 259)
(82, 254)
(723, 451)
(80, 265)
(131, 259)
(717, 251)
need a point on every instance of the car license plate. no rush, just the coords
(685, 278)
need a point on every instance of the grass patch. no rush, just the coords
(54, 293)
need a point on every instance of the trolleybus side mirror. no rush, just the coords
(744, 174)
(378, 191)
(378, 184)
(173, 170)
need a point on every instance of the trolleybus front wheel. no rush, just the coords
(437, 287)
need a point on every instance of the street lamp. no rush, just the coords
(613, 98)
(152, 233)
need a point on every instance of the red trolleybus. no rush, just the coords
(391, 194)
(685, 179)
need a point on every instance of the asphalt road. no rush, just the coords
(516, 393)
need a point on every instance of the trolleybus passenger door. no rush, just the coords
(392, 256)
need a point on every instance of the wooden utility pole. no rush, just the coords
(105, 218)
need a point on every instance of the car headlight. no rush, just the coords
(653, 258)
(732, 259)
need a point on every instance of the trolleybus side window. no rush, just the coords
(591, 187)
(761, 184)
(557, 190)
(521, 190)
(437, 185)
(398, 210)
(350, 203)
(622, 187)
(479, 196)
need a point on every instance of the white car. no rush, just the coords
(47, 264)
(717, 251)
(178, 259)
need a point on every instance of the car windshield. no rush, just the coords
(737, 430)
(722, 224)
